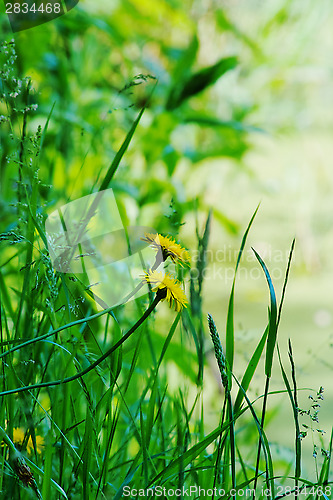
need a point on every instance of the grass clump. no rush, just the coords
(86, 409)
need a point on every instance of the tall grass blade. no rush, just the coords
(120, 153)
(285, 281)
(270, 346)
(272, 331)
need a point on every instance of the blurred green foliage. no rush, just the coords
(98, 71)
(195, 69)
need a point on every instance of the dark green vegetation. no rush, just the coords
(116, 109)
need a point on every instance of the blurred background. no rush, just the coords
(239, 102)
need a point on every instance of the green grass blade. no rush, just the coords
(263, 442)
(250, 370)
(286, 280)
(87, 443)
(188, 456)
(144, 447)
(47, 467)
(328, 465)
(40, 472)
(115, 163)
(229, 348)
(232, 441)
(272, 332)
(298, 444)
(46, 127)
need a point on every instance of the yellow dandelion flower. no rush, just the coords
(174, 293)
(18, 435)
(18, 438)
(168, 247)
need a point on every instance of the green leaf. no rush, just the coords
(199, 81)
(186, 59)
(272, 325)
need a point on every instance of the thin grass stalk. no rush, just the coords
(105, 183)
(144, 448)
(232, 440)
(64, 424)
(87, 453)
(270, 346)
(298, 444)
(219, 450)
(325, 482)
(286, 277)
(46, 486)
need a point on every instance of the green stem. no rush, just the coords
(259, 443)
(6, 439)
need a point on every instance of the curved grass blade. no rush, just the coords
(272, 331)
(229, 348)
(270, 346)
